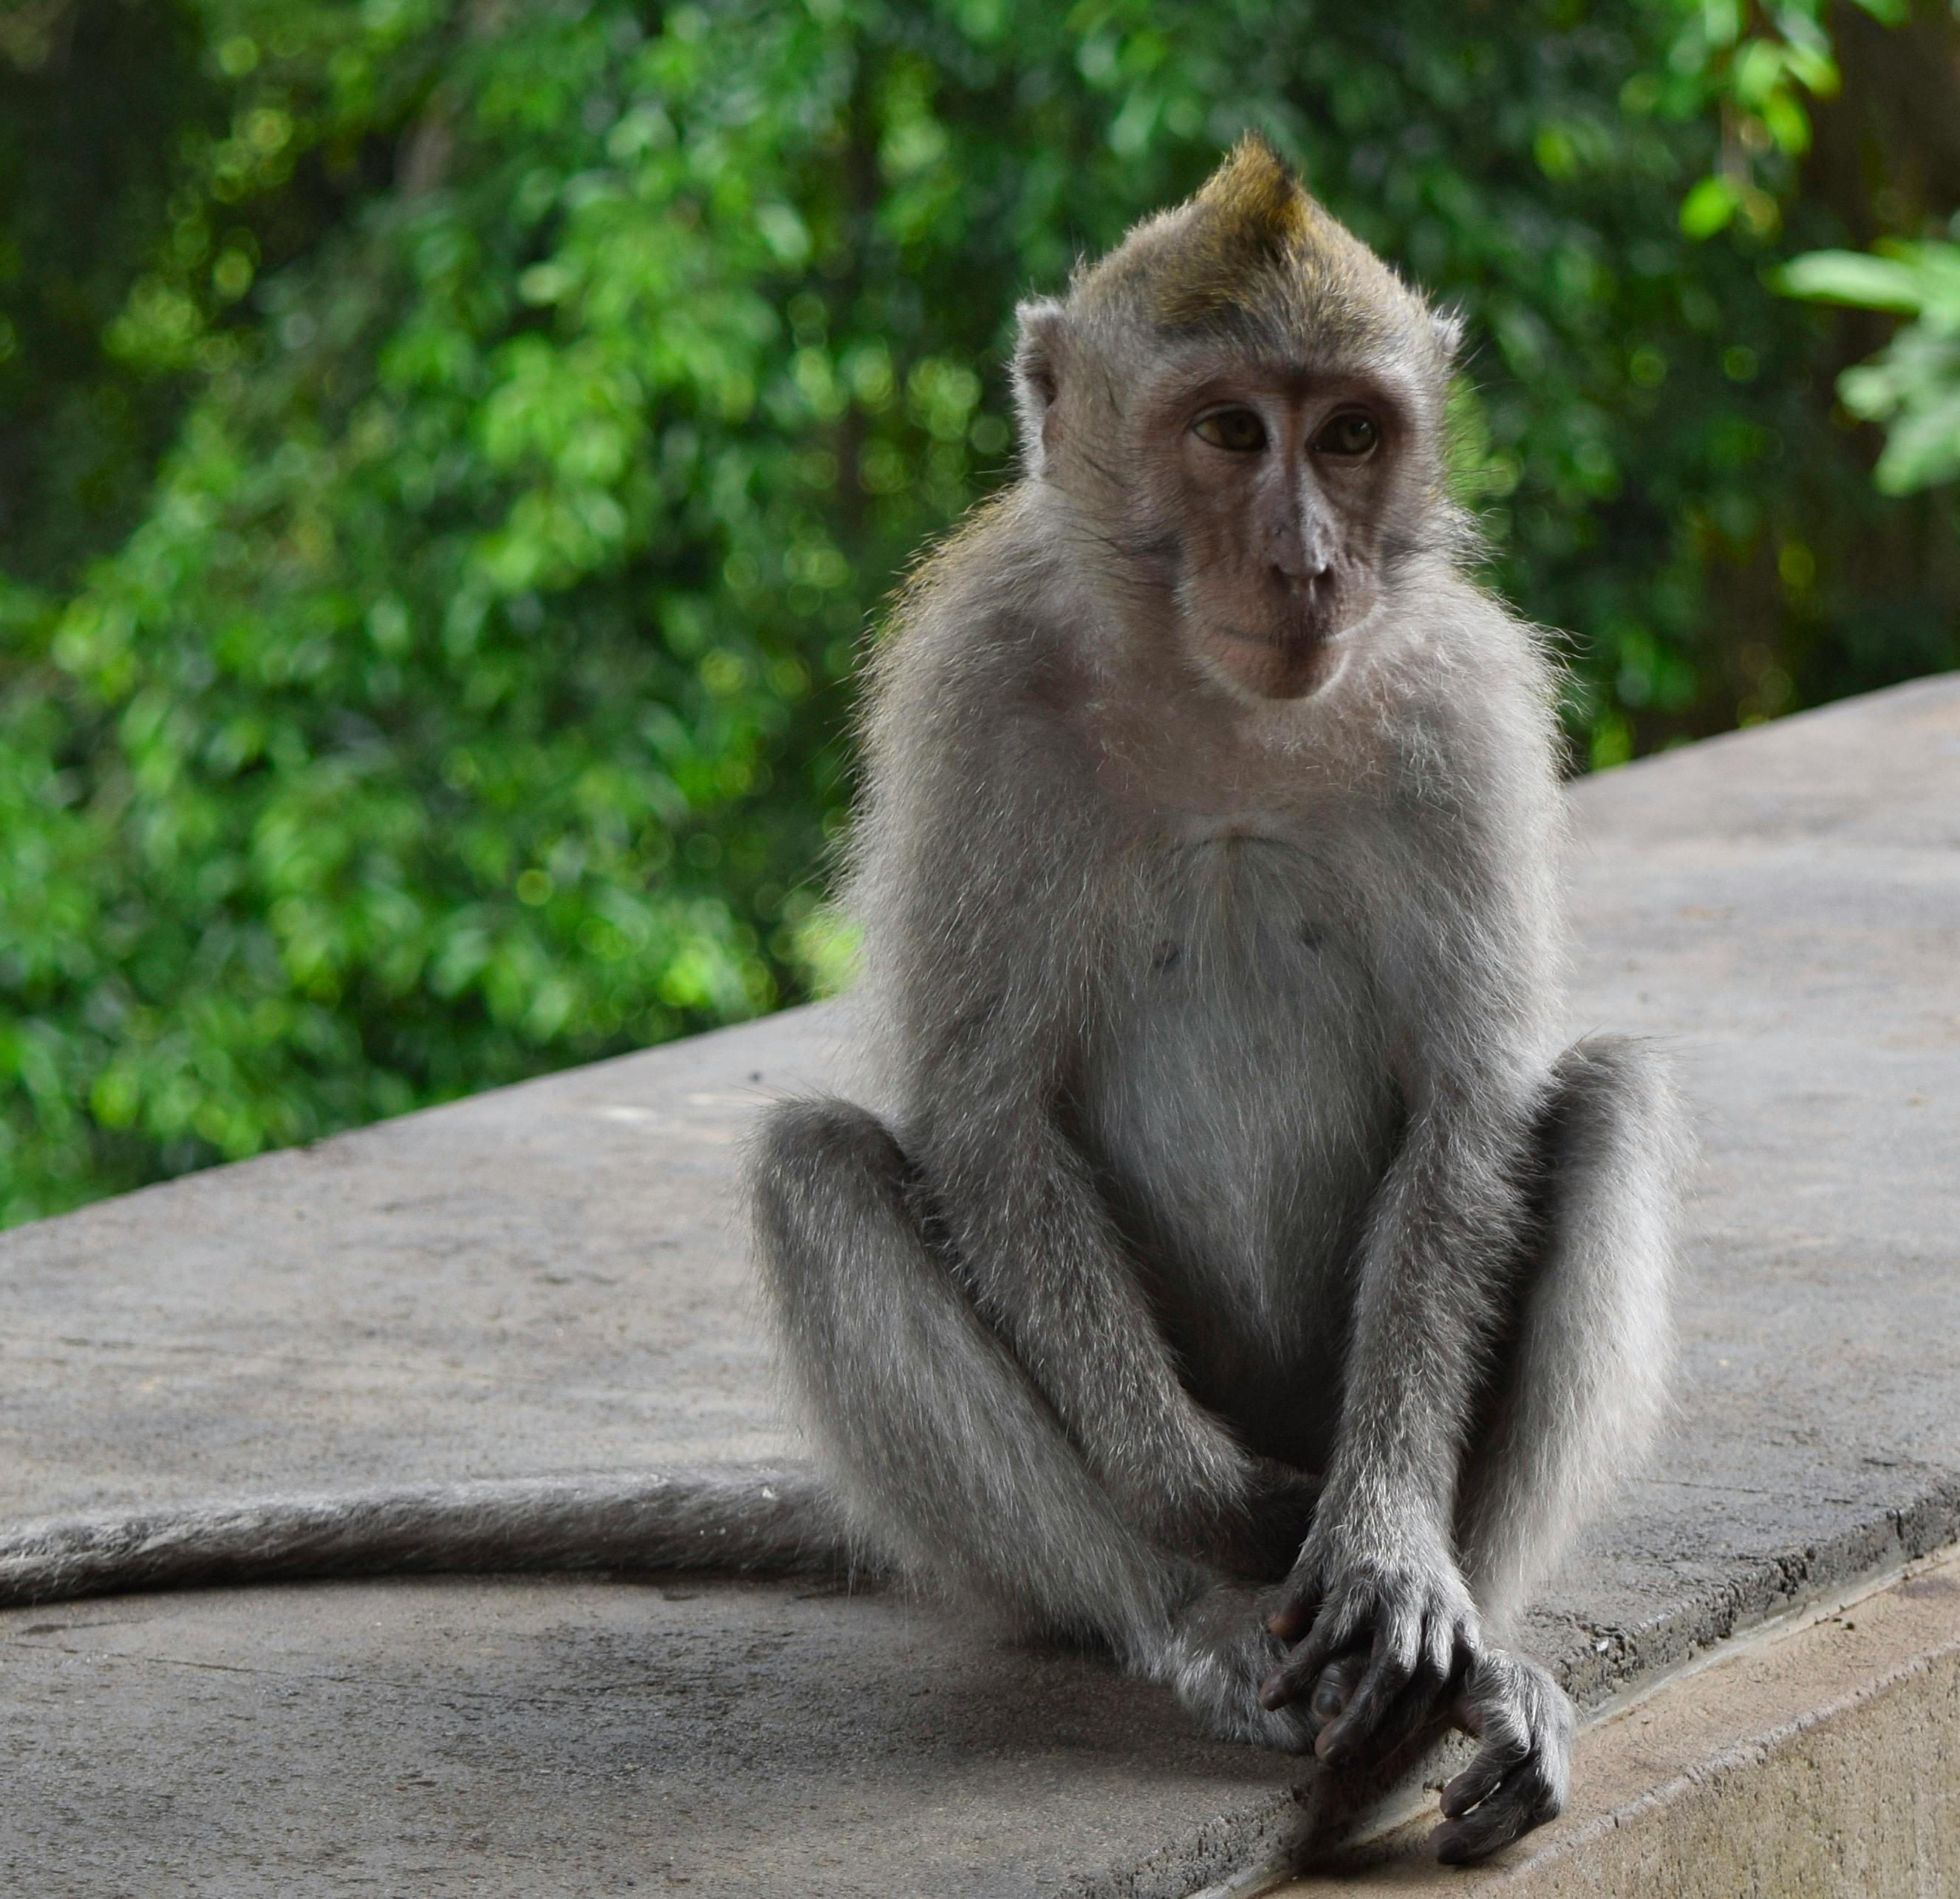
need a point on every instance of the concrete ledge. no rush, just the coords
(546, 1279)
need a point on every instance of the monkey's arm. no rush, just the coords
(1379, 1563)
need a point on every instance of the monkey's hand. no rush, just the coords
(1391, 1624)
(1518, 1779)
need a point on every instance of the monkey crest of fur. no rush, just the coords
(1254, 251)
(1252, 258)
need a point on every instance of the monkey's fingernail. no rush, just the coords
(1273, 1695)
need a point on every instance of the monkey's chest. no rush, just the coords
(1238, 1109)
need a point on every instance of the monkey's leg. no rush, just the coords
(1578, 1391)
(1578, 1382)
(1582, 1377)
(943, 1449)
(945, 1452)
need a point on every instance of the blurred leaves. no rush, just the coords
(449, 450)
(1912, 385)
(1763, 65)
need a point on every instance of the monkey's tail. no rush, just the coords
(763, 1519)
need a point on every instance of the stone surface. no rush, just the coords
(549, 1277)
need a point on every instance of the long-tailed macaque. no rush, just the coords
(1234, 1272)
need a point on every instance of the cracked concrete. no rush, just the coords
(548, 1278)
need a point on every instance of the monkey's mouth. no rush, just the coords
(1284, 662)
(1296, 639)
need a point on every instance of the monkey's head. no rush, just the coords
(1240, 409)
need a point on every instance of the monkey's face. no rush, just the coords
(1277, 484)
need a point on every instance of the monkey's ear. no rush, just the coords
(1041, 346)
(1449, 326)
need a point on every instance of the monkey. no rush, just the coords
(1230, 1271)
(1225, 1193)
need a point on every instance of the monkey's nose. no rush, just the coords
(1307, 581)
(1301, 557)
(1301, 546)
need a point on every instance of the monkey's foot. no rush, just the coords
(1522, 1769)
(1221, 1653)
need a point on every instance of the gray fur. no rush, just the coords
(770, 1517)
(1220, 1133)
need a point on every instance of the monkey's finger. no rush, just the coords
(1452, 1650)
(1368, 1731)
(1523, 1800)
(1297, 1604)
(1417, 1708)
(1332, 1630)
(1397, 1649)
(1477, 1781)
(1340, 1620)
(1331, 1690)
(1291, 1621)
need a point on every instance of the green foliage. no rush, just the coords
(79, 434)
(442, 673)
(1762, 69)
(1912, 385)
(1756, 68)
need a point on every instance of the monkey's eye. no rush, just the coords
(1353, 433)
(1237, 429)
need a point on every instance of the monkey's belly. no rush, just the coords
(1241, 1118)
